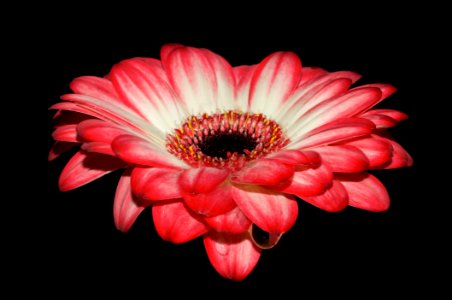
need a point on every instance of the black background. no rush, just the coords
(77, 246)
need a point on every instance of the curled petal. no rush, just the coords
(271, 211)
(126, 208)
(365, 191)
(233, 221)
(377, 151)
(234, 256)
(333, 199)
(101, 148)
(84, 167)
(59, 148)
(156, 183)
(263, 172)
(175, 223)
(66, 133)
(295, 157)
(400, 157)
(99, 131)
(343, 158)
(202, 180)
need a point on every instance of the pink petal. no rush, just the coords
(233, 221)
(135, 150)
(101, 148)
(167, 49)
(381, 121)
(334, 132)
(263, 172)
(309, 74)
(66, 133)
(156, 183)
(202, 80)
(83, 168)
(59, 148)
(335, 198)
(271, 211)
(307, 183)
(273, 81)
(386, 89)
(295, 157)
(400, 157)
(343, 158)
(174, 223)
(125, 209)
(143, 86)
(349, 105)
(384, 118)
(365, 191)
(96, 87)
(233, 256)
(377, 151)
(206, 192)
(99, 131)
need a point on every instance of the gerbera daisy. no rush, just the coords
(226, 152)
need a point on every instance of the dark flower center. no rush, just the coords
(221, 144)
(226, 140)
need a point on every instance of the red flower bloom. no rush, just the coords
(223, 152)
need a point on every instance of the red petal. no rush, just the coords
(400, 157)
(386, 89)
(156, 183)
(135, 150)
(273, 81)
(59, 148)
(232, 256)
(297, 158)
(101, 148)
(384, 118)
(203, 80)
(308, 182)
(99, 131)
(376, 150)
(335, 198)
(96, 87)
(205, 191)
(125, 208)
(174, 223)
(233, 221)
(83, 168)
(66, 133)
(343, 158)
(272, 212)
(263, 172)
(334, 132)
(309, 74)
(365, 191)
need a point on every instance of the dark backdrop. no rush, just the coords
(353, 250)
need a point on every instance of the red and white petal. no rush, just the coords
(83, 168)
(365, 191)
(137, 151)
(386, 89)
(307, 183)
(243, 76)
(333, 132)
(305, 102)
(377, 151)
(384, 118)
(233, 256)
(125, 208)
(175, 223)
(206, 192)
(263, 172)
(309, 74)
(156, 183)
(143, 86)
(66, 133)
(59, 148)
(273, 81)
(233, 221)
(346, 159)
(99, 131)
(349, 105)
(271, 211)
(202, 80)
(96, 87)
(333, 199)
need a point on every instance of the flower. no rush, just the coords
(224, 152)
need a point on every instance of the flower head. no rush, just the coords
(225, 152)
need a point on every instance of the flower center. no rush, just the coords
(226, 140)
